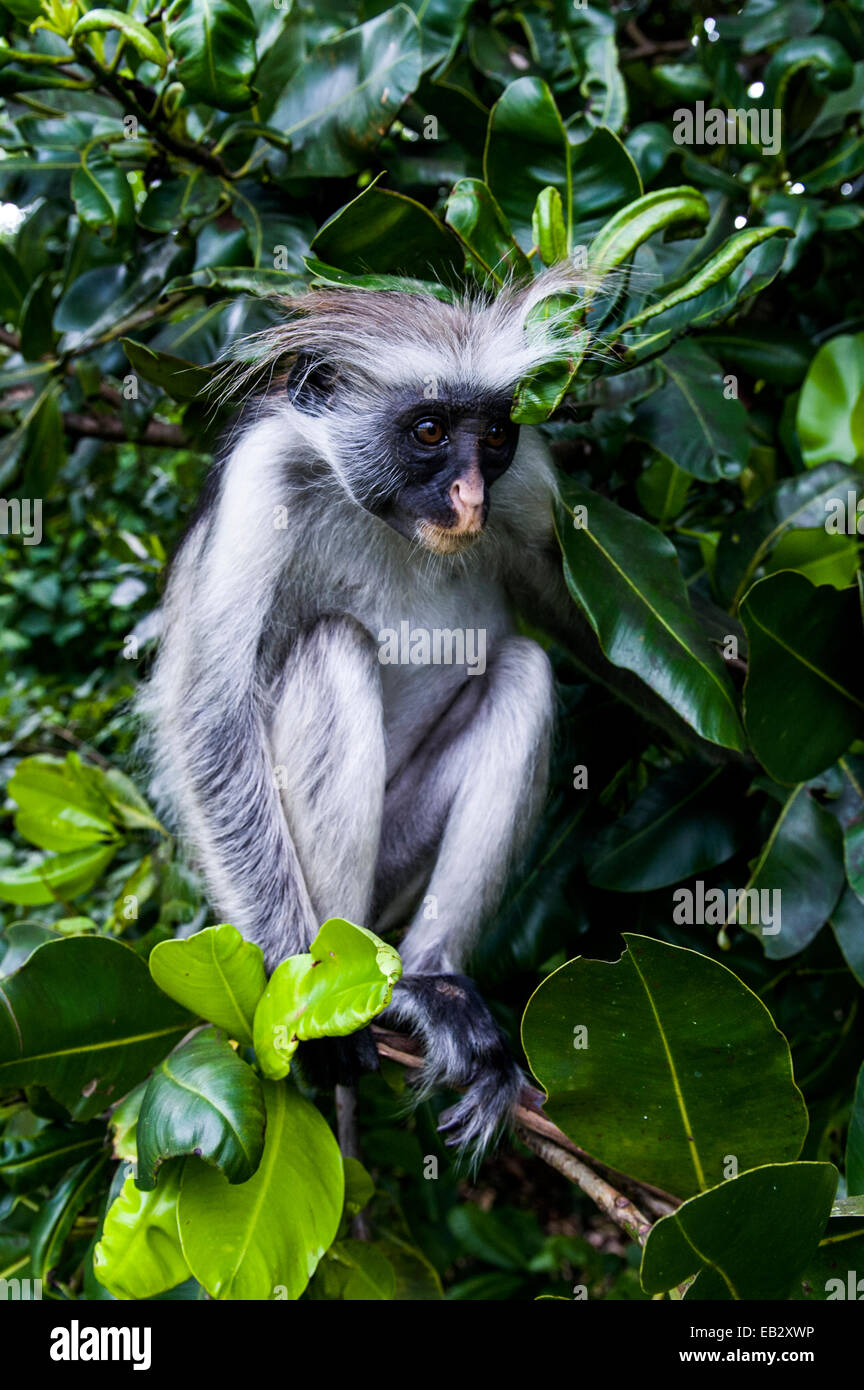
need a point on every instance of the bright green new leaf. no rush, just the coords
(345, 980)
(139, 1254)
(216, 974)
(263, 1239)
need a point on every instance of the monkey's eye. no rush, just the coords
(495, 436)
(428, 432)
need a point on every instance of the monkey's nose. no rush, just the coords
(468, 496)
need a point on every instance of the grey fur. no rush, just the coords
(402, 788)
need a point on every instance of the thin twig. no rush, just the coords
(555, 1148)
(110, 427)
(349, 1143)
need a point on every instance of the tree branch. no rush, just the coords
(553, 1146)
(111, 428)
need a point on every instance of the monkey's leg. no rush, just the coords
(328, 749)
(475, 787)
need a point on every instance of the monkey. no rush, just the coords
(380, 483)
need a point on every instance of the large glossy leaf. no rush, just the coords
(56, 1216)
(804, 694)
(830, 416)
(690, 420)
(142, 39)
(387, 233)
(61, 805)
(847, 922)
(528, 149)
(28, 1163)
(183, 381)
(139, 1254)
(103, 197)
(83, 1019)
(624, 575)
(718, 288)
(751, 535)
(678, 826)
(213, 42)
(346, 978)
(202, 1099)
(683, 1066)
(216, 974)
(653, 212)
(747, 1238)
(345, 95)
(266, 1235)
(56, 877)
(481, 226)
(800, 868)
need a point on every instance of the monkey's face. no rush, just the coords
(447, 456)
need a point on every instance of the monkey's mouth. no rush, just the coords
(446, 540)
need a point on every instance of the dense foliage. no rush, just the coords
(169, 168)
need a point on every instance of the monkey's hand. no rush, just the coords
(464, 1047)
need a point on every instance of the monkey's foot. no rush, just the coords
(463, 1048)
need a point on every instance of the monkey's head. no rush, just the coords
(411, 398)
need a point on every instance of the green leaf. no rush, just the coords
(677, 827)
(482, 228)
(847, 922)
(830, 416)
(60, 877)
(237, 279)
(387, 233)
(855, 1142)
(527, 150)
(255, 1239)
(60, 804)
(804, 693)
(662, 489)
(689, 419)
(142, 39)
(345, 980)
(331, 276)
(102, 195)
(717, 288)
(683, 1066)
(547, 226)
(747, 1238)
(653, 212)
(183, 381)
(344, 96)
(358, 1272)
(213, 43)
(542, 390)
(83, 1019)
(750, 536)
(624, 574)
(56, 1216)
(42, 1159)
(139, 1254)
(202, 1099)
(216, 974)
(800, 868)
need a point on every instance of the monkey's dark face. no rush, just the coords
(447, 454)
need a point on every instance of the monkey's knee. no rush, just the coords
(523, 672)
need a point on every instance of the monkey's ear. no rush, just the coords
(310, 384)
